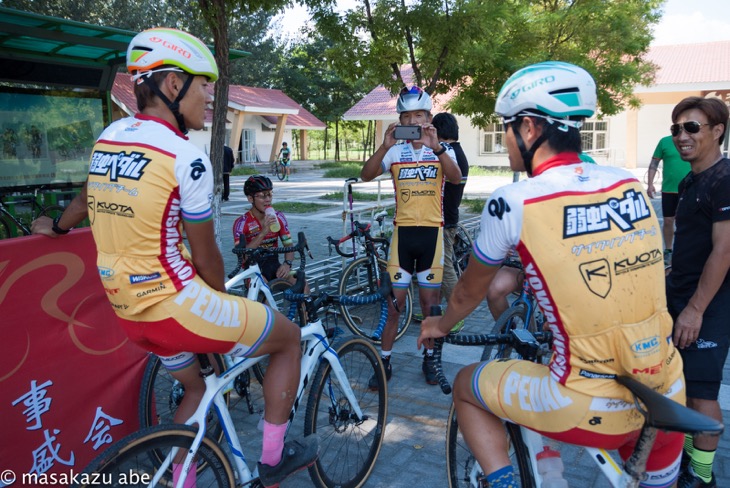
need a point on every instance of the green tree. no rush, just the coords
(475, 45)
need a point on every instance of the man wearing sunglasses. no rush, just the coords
(698, 287)
(675, 168)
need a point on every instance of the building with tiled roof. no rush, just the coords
(262, 117)
(627, 139)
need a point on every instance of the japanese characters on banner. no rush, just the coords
(69, 377)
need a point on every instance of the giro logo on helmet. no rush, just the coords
(526, 88)
(172, 47)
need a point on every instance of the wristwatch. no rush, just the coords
(288, 261)
(55, 228)
(440, 151)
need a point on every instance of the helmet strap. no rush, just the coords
(173, 106)
(527, 154)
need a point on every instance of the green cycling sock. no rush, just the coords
(702, 464)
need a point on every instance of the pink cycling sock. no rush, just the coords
(273, 443)
(177, 472)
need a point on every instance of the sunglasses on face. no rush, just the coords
(691, 127)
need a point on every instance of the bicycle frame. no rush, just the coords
(316, 347)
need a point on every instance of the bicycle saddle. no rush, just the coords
(666, 414)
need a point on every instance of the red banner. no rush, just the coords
(69, 377)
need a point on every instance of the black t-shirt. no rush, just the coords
(452, 192)
(704, 199)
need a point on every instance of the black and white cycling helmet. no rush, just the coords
(560, 92)
(413, 98)
(257, 183)
(164, 49)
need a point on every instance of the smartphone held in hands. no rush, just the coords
(407, 132)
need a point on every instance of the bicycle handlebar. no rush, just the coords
(523, 341)
(361, 230)
(315, 301)
(257, 254)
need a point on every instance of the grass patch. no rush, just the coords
(489, 171)
(356, 195)
(474, 205)
(245, 171)
(299, 207)
(333, 164)
(347, 170)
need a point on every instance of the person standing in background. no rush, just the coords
(675, 168)
(448, 131)
(698, 286)
(227, 168)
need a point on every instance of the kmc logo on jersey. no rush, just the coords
(118, 165)
(599, 217)
(421, 173)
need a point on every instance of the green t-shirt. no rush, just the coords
(675, 168)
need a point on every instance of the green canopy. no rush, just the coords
(51, 51)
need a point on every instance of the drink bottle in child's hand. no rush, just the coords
(276, 226)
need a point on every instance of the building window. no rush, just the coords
(492, 137)
(594, 136)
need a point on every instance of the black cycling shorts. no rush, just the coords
(669, 204)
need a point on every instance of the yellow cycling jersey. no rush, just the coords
(418, 180)
(591, 248)
(144, 179)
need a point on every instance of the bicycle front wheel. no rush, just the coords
(280, 171)
(348, 446)
(359, 278)
(514, 317)
(134, 460)
(462, 467)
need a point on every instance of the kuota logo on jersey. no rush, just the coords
(597, 276)
(599, 217)
(118, 165)
(421, 173)
(637, 262)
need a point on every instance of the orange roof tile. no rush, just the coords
(706, 62)
(258, 100)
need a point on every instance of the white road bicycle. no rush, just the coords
(161, 394)
(659, 413)
(341, 410)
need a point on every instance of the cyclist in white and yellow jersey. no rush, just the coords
(591, 248)
(147, 184)
(419, 169)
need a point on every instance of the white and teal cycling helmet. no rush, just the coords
(154, 48)
(412, 99)
(561, 92)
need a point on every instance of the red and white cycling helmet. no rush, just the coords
(412, 99)
(154, 48)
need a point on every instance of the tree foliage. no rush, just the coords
(475, 45)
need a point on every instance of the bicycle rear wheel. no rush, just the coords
(161, 394)
(358, 278)
(134, 460)
(462, 249)
(462, 467)
(348, 447)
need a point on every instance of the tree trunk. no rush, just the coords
(215, 15)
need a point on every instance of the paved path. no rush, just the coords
(413, 454)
